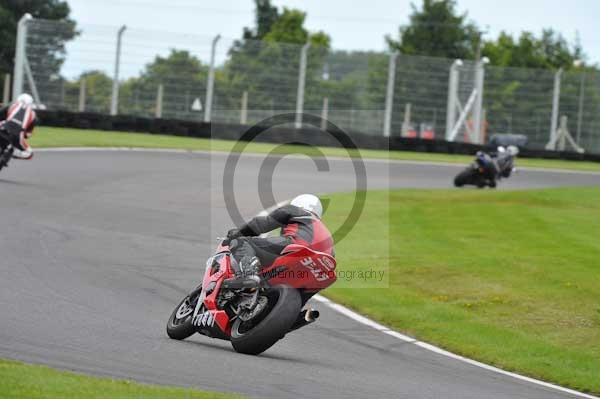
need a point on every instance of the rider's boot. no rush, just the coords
(27, 154)
(248, 277)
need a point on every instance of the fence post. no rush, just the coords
(244, 110)
(451, 106)
(31, 81)
(114, 103)
(20, 54)
(6, 96)
(159, 102)
(211, 81)
(301, 83)
(82, 92)
(555, 109)
(580, 112)
(407, 119)
(389, 95)
(479, 83)
(62, 92)
(324, 113)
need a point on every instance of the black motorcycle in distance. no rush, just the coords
(487, 169)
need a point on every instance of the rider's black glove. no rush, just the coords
(233, 234)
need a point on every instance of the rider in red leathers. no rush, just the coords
(18, 121)
(300, 223)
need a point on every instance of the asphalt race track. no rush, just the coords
(97, 248)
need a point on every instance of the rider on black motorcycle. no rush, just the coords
(503, 161)
(300, 223)
(18, 121)
(488, 167)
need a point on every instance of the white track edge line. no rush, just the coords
(379, 327)
(297, 156)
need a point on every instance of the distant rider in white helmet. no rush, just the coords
(300, 223)
(18, 121)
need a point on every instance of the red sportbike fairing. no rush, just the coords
(253, 318)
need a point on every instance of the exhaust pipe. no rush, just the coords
(310, 315)
(305, 318)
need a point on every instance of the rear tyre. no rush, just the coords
(180, 325)
(464, 177)
(282, 311)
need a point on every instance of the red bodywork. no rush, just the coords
(298, 267)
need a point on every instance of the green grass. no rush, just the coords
(508, 278)
(63, 137)
(23, 381)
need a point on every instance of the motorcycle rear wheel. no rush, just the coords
(283, 309)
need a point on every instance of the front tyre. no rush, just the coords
(263, 331)
(180, 325)
(464, 177)
(5, 156)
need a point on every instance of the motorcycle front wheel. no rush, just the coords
(5, 156)
(180, 324)
(464, 177)
(255, 336)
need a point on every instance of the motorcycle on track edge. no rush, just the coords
(253, 318)
(486, 170)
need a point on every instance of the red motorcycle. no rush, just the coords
(253, 317)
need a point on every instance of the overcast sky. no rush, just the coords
(352, 25)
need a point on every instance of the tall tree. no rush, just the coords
(520, 80)
(549, 51)
(268, 68)
(183, 78)
(98, 92)
(51, 44)
(266, 15)
(436, 29)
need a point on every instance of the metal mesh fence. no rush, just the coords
(266, 71)
(421, 90)
(519, 101)
(166, 75)
(580, 102)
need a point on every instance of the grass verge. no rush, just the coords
(62, 137)
(23, 381)
(508, 278)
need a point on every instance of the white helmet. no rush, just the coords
(25, 99)
(310, 203)
(513, 150)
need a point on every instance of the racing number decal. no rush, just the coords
(326, 263)
(205, 319)
(320, 274)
